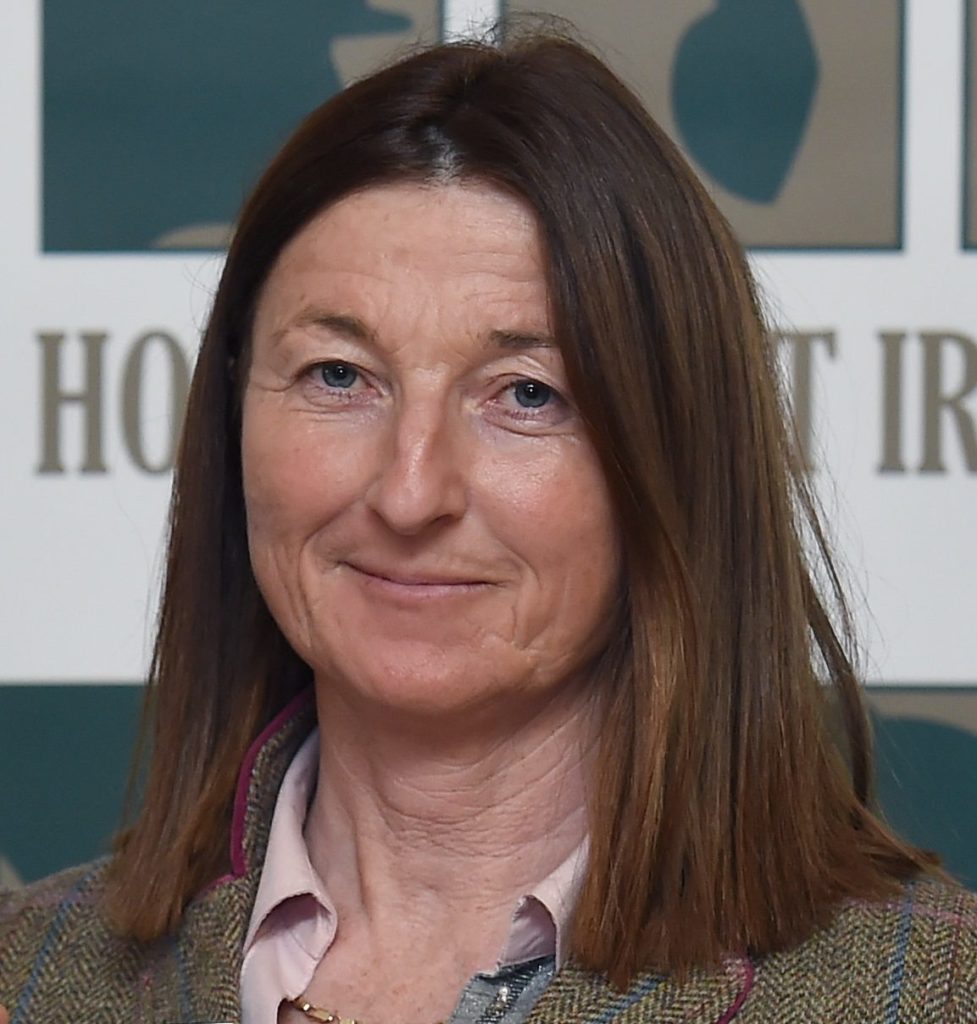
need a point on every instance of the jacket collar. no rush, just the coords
(704, 997)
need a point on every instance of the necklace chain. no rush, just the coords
(317, 1013)
(324, 1016)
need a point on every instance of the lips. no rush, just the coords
(413, 578)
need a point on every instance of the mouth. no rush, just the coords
(410, 583)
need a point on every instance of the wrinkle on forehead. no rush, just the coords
(481, 249)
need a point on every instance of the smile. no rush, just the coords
(408, 585)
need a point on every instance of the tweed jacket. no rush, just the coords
(913, 959)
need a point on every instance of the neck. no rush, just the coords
(442, 820)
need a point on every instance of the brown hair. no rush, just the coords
(724, 816)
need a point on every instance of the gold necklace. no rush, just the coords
(324, 1016)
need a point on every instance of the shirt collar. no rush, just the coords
(287, 872)
(541, 920)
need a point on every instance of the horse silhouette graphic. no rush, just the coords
(743, 84)
(158, 117)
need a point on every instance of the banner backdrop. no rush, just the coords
(840, 140)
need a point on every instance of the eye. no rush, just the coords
(532, 394)
(526, 404)
(338, 375)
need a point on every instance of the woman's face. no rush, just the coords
(427, 519)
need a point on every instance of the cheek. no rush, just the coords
(293, 480)
(275, 485)
(558, 518)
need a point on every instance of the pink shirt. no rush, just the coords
(294, 922)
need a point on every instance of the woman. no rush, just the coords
(485, 472)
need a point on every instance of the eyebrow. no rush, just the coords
(350, 326)
(341, 323)
(520, 340)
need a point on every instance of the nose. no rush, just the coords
(421, 479)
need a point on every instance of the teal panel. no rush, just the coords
(159, 117)
(64, 761)
(927, 786)
(65, 755)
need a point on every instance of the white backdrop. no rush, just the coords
(80, 551)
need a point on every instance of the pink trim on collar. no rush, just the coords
(239, 865)
(749, 974)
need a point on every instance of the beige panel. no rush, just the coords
(957, 708)
(843, 189)
(355, 57)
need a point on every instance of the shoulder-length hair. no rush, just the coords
(726, 814)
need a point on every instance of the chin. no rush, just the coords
(424, 680)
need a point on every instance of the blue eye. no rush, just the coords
(531, 394)
(338, 375)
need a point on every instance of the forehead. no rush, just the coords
(441, 243)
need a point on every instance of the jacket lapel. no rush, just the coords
(576, 996)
